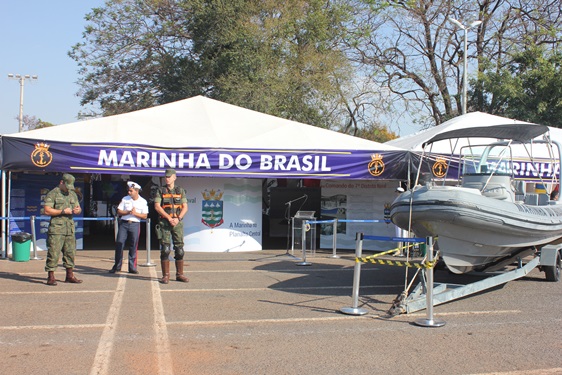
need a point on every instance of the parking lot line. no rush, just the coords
(165, 365)
(105, 346)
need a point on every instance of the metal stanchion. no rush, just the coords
(335, 238)
(115, 226)
(429, 321)
(34, 239)
(148, 260)
(355, 310)
(303, 241)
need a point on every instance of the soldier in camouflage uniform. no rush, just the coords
(171, 204)
(61, 203)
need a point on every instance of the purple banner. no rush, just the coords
(448, 167)
(28, 154)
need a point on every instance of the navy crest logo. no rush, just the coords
(212, 210)
(440, 167)
(41, 156)
(376, 165)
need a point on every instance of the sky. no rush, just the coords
(35, 37)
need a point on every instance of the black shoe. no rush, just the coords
(113, 270)
(134, 271)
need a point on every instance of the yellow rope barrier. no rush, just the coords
(374, 259)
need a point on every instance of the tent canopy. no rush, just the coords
(477, 129)
(415, 142)
(202, 122)
(517, 132)
(200, 137)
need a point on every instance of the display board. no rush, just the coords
(357, 200)
(224, 214)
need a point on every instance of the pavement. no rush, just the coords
(262, 313)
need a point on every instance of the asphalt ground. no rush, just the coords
(261, 313)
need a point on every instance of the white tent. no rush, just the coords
(414, 142)
(202, 122)
(540, 153)
(200, 137)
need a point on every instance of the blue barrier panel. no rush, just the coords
(363, 221)
(320, 221)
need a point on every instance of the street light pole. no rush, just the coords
(22, 79)
(465, 63)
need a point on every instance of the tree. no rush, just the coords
(32, 122)
(519, 66)
(406, 47)
(377, 133)
(280, 58)
(135, 54)
(529, 88)
(411, 49)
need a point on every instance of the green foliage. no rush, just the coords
(377, 133)
(280, 58)
(529, 88)
(32, 122)
(335, 64)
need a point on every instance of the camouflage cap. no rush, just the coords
(170, 172)
(68, 180)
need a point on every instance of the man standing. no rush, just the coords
(171, 204)
(132, 209)
(61, 203)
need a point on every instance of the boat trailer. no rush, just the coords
(548, 261)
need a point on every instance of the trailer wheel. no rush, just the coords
(552, 273)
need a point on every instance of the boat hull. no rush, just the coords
(475, 232)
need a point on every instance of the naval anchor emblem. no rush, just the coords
(440, 167)
(376, 165)
(41, 156)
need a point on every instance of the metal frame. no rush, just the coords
(443, 292)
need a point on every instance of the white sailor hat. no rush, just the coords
(134, 185)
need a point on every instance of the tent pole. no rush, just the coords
(3, 213)
(8, 193)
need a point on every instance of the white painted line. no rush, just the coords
(491, 312)
(105, 346)
(58, 292)
(58, 326)
(291, 270)
(279, 289)
(258, 321)
(165, 365)
(323, 319)
(545, 371)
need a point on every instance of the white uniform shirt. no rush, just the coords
(128, 203)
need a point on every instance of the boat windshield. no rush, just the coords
(493, 159)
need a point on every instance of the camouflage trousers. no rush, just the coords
(57, 243)
(169, 235)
